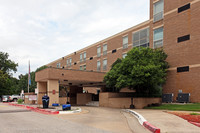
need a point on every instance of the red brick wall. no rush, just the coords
(179, 54)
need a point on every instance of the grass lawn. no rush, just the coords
(182, 107)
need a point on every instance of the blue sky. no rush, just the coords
(44, 30)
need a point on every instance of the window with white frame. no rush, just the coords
(158, 38)
(67, 62)
(98, 65)
(158, 10)
(124, 55)
(125, 42)
(84, 67)
(81, 68)
(99, 51)
(84, 56)
(141, 38)
(81, 57)
(105, 49)
(105, 64)
(58, 65)
(70, 61)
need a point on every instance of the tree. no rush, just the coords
(6, 67)
(23, 80)
(143, 69)
(111, 77)
(41, 68)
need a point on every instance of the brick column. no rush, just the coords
(53, 91)
(73, 94)
(42, 90)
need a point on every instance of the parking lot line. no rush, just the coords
(3, 106)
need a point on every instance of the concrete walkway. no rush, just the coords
(107, 119)
(168, 123)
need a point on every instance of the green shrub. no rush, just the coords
(194, 114)
(19, 101)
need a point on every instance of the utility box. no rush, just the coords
(167, 98)
(183, 97)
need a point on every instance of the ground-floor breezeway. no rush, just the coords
(64, 85)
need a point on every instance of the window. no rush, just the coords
(105, 64)
(58, 65)
(81, 68)
(84, 56)
(98, 65)
(84, 67)
(105, 49)
(99, 51)
(70, 61)
(158, 38)
(124, 55)
(67, 62)
(158, 11)
(141, 38)
(81, 57)
(125, 42)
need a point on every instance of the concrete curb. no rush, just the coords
(194, 123)
(144, 122)
(35, 109)
(44, 111)
(70, 112)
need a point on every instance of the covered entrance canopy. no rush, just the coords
(49, 80)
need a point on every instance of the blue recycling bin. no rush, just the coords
(55, 104)
(45, 101)
(66, 106)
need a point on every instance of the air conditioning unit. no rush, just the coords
(167, 98)
(183, 97)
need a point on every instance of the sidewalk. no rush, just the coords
(168, 123)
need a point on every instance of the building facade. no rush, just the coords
(173, 26)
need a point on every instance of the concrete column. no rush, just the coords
(53, 91)
(42, 90)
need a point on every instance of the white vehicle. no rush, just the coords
(5, 98)
(14, 98)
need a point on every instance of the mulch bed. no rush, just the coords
(194, 119)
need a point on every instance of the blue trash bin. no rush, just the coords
(66, 106)
(45, 101)
(55, 104)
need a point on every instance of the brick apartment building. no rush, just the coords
(173, 25)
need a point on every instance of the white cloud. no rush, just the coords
(44, 30)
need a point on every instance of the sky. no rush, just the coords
(45, 30)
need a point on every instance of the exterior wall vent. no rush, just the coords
(114, 51)
(183, 69)
(183, 38)
(183, 8)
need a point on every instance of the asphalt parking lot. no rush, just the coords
(90, 120)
